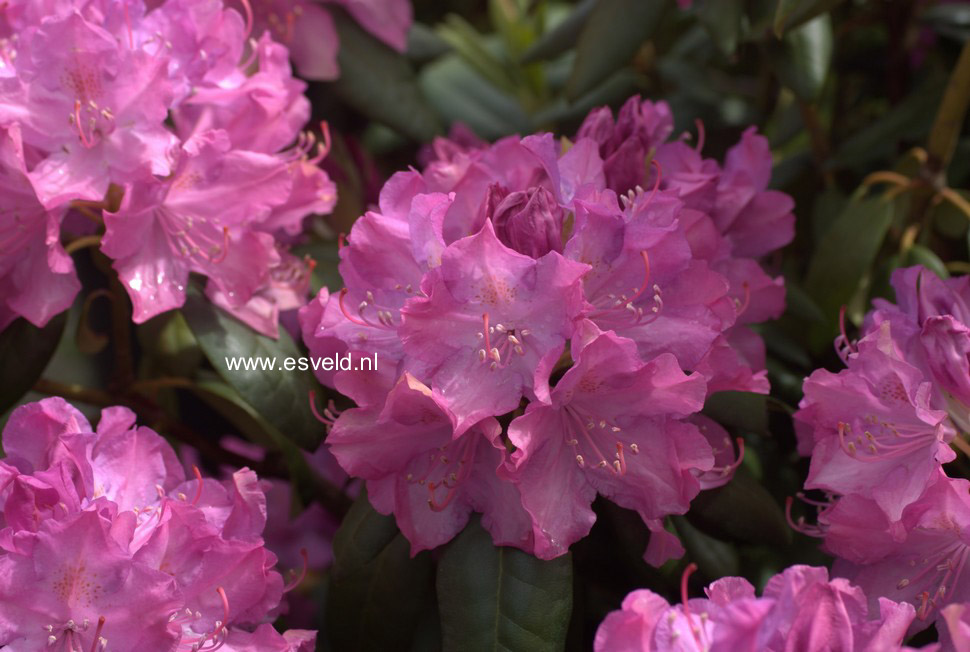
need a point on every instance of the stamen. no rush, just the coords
(97, 632)
(742, 306)
(131, 45)
(198, 492)
(249, 17)
(327, 418)
(485, 333)
(296, 582)
(225, 246)
(77, 123)
(700, 135)
(694, 630)
(620, 463)
(343, 309)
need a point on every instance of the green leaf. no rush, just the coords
(424, 44)
(25, 351)
(611, 36)
(380, 82)
(722, 19)
(920, 255)
(280, 396)
(789, 14)
(562, 37)
(743, 411)
(377, 592)
(835, 272)
(910, 119)
(714, 558)
(498, 598)
(805, 57)
(224, 400)
(460, 94)
(741, 511)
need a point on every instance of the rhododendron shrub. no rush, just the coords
(120, 550)
(548, 318)
(176, 129)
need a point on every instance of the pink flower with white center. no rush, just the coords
(166, 229)
(36, 274)
(429, 478)
(492, 325)
(871, 428)
(588, 439)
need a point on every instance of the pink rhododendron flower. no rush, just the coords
(511, 281)
(589, 437)
(121, 550)
(800, 609)
(873, 430)
(36, 274)
(879, 433)
(166, 107)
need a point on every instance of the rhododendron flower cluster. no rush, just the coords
(120, 551)
(546, 329)
(174, 109)
(799, 609)
(879, 433)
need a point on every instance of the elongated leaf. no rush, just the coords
(714, 558)
(742, 511)
(744, 411)
(611, 36)
(909, 119)
(843, 257)
(722, 19)
(380, 82)
(805, 58)
(25, 350)
(790, 14)
(562, 37)
(280, 396)
(497, 598)
(377, 591)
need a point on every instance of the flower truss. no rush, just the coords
(546, 330)
(120, 550)
(879, 433)
(171, 129)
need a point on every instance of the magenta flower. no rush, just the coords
(164, 230)
(121, 550)
(588, 439)
(871, 428)
(919, 560)
(36, 274)
(800, 609)
(492, 326)
(159, 103)
(473, 276)
(429, 478)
